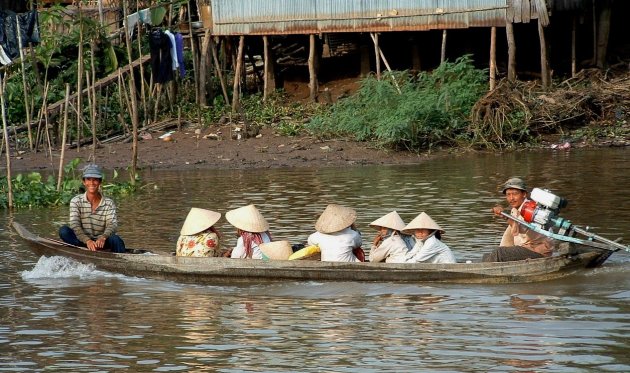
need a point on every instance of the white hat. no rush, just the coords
(422, 221)
(277, 250)
(391, 220)
(198, 220)
(335, 218)
(247, 218)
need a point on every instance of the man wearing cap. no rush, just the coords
(93, 220)
(518, 242)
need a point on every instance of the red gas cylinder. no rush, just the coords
(528, 210)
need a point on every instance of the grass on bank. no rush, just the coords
(431, 108)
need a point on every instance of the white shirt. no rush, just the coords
(431, 250)
(392, 250)
(338, 246)
(239, 250)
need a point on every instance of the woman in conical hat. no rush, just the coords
(336, 236)
(198, 236)
(390, 245)
(251, 229)
(428, 248)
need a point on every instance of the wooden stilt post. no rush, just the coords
(312, 70)
(493, 57)
(544, 64)
(269, 85)
(377, 50)
(203, 68)
(237, 75)
(511, 68)
(443, 50)
(145, 111)
(416, 62)
(573, 41)
(63, 137)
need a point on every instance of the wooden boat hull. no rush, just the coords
(226, 270)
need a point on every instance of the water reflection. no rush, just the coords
(67, 316)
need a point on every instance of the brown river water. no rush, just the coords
(56, 314)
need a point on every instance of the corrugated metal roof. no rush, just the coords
(268, 17)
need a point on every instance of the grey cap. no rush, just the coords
(92, 171)
(514, 183)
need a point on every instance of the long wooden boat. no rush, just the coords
(143, 263)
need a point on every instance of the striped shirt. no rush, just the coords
(88, 225)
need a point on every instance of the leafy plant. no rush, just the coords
(31, 190)
(405, 111)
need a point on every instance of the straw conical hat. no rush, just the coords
(248, 219)
(198, 220)
(422, 221)
(335, 218)
(277, 250)
(391, 221)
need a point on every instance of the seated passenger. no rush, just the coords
(251, 229)
(93, 221)
(518, 242)
(390, 245)
(428, 248)
(336, 235)
(198, 236)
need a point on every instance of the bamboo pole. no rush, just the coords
(80, 79)
(237, 75)
(493, 57)
(377, 49)
(217, 67)
(142, 88)
(63, 138)
(93, 101)
(443, 50)
(380, 52)
(511, 71)
(27, 106)
(6, 143)
(134, 108)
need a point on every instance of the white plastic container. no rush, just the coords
(546, 198)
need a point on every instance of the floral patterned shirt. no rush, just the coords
(201, 244)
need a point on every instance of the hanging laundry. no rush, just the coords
(171, 37)
(161, 60)
(29, 31)
(179, 42)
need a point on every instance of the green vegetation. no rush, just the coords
(431, 108)
(31, 190)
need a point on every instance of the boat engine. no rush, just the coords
(543, 208)
(540, 213)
